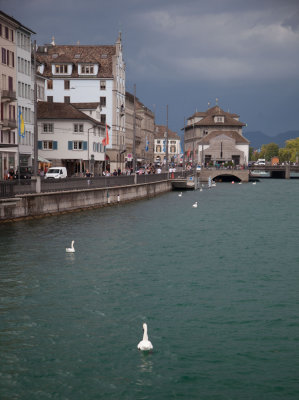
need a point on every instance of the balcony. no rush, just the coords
(9, 124)
(8, 95)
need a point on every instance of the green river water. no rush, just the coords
(218, 286)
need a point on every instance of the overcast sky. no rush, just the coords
(187, 53)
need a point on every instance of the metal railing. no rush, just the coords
(27, 186)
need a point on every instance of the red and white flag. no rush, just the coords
(105, 141)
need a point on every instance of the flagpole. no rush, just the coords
(19, 138)
(35, 115)
(134, 132)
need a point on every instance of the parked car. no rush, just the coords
(56, 173)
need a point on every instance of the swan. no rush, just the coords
(180, 194)
(195, 205)
(71, 249)
(145, 344)
(254, 183)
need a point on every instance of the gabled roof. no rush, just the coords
(161, 129)
(77, 54)
(239, 139)
(208, 118)
(47, 110)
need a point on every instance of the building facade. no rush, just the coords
(8, 95)
(144, 132)
(16, 93)
(89, 74)
(160, 146)
(215, 137)
(25, 95)
(68, 137)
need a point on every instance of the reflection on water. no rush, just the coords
(146, 362)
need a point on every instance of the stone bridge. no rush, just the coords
(224, 175)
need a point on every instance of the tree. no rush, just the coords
(272, 150)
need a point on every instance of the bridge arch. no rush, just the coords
(224, 175)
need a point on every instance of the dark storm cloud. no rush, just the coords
(244, 52)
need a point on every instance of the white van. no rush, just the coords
(261, 161)
(56, 173)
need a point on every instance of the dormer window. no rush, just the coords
(61, 69)
(219, 119)
(87, 69)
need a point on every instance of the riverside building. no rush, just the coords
(214, 137)
(89, 74)
(16, 94)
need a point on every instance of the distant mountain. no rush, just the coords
(257, 139)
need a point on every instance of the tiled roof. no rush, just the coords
(161, 129)
(231, 134)
(86, 106)
(208, 118)
(77, 54)
(47, 110)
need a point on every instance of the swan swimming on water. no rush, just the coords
(195, 205)
(71, 249)
(145, 344)
(180, 194)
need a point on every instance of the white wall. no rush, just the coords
(63, 133)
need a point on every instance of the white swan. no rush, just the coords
(71, 249)
(254, 183)
(195, 205)
(180, 194)
(145, 344)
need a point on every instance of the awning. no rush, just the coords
(42, 159)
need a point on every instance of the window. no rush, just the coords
(77, 145)
(67, 99)
(10, 83)
(103, 118)
(103, 85)
(61, 69)
(47, 145)
(78, 128)
(48, 128)
(103, 101)
(87, 69)
(158, 149)
(3, 56)
(66, 85)
(50, 99)
(49, 84)
(6, 33)
(158, 141)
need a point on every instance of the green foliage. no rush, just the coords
(290, 152)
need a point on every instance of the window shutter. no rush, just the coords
(40, 145)
(55, 145)
(70, 145)
(84, 145)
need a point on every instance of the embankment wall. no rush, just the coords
(43, 204)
